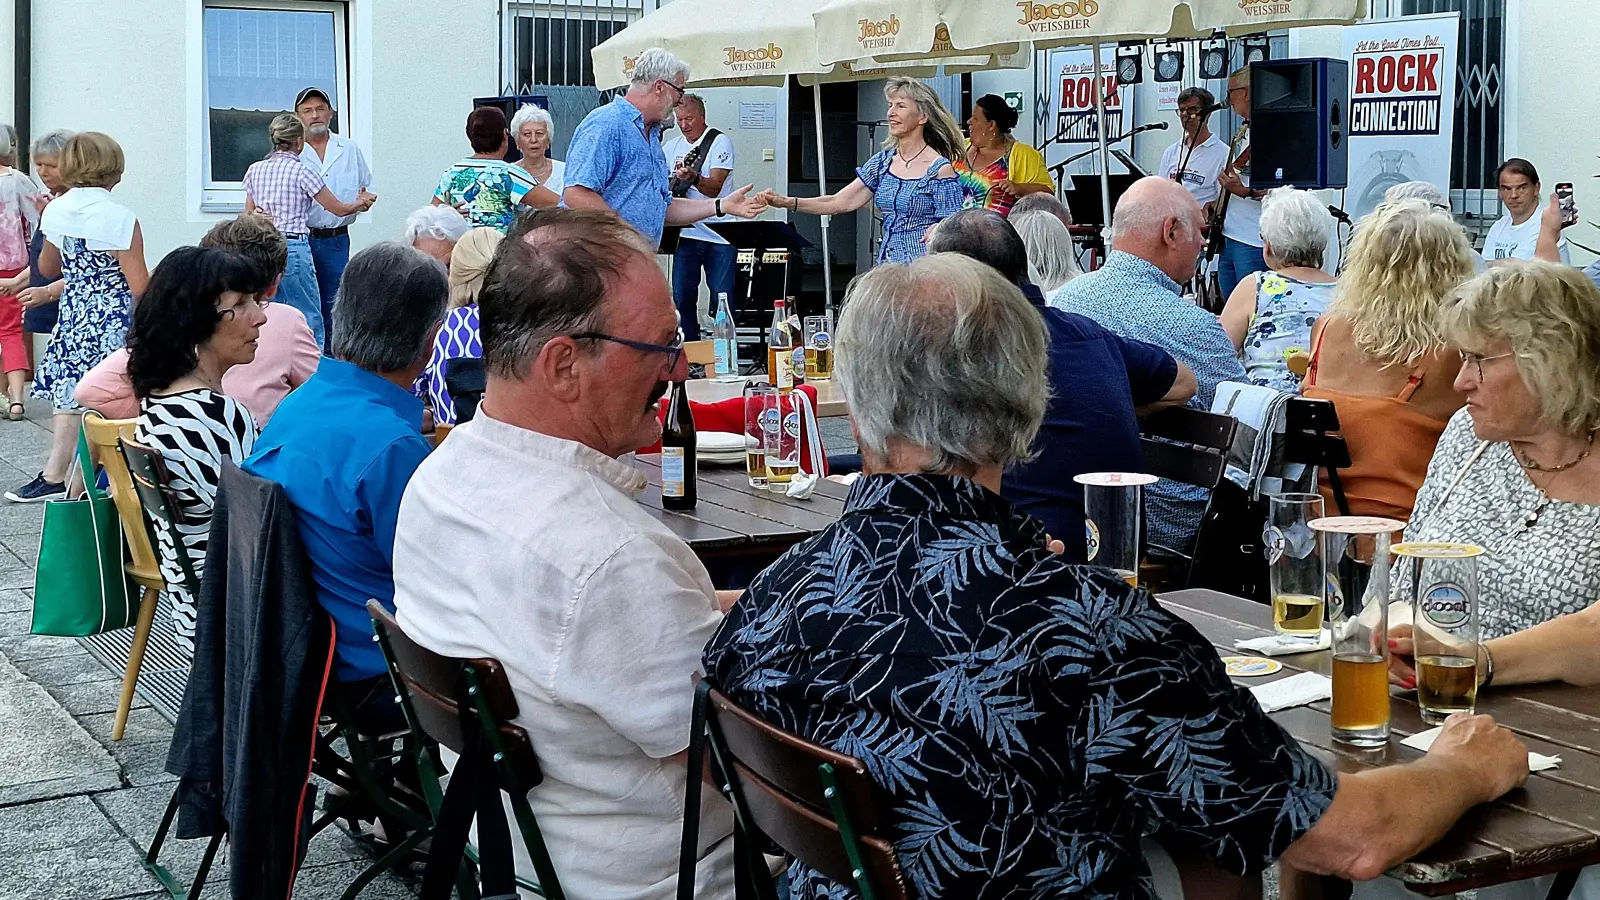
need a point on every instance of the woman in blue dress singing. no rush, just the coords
(911, 180)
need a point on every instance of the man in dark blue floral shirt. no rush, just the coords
(1031, 720)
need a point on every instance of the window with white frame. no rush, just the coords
(259, 54)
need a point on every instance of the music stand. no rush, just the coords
(1084, 198)
(759, 244)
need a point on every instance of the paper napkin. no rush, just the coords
(1537, 762)
(1277, 645)
(1296, 690)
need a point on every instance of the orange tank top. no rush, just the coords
(1391, 443)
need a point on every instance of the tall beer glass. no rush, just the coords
(760, 406)
(1295, 566)
(1444, 624)
(819, 348)
(1356, 552)
(1113, 504)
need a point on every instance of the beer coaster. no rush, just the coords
(1115, 479)
(1250, 666)
(1357, 525)
(1436, 550)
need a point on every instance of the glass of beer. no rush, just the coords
(1295, 566)
(760, 399)
(1113, 520)
(1355, 550)
(1444, 624)
(819, 348)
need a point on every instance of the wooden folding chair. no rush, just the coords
(1188, 446)
(817, 804)
(142, 566)
(431, 688)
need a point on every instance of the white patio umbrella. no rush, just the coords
(928, 29)
(756, 43)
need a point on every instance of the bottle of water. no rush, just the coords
(725, 341)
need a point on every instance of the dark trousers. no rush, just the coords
(372, 706)
(718, 261)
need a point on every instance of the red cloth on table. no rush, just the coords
(728, 415)
(13, 352)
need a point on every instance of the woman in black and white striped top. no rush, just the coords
(200, 317)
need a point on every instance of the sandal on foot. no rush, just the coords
(16, 412)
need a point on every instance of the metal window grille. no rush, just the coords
(548, 46)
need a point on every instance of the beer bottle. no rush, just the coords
(678, 459)
(780, 350)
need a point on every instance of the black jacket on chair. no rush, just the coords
(243, 742)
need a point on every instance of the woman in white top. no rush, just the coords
(94, 244)
(534, 130)
(1516, 234)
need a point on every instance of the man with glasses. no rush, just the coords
(615, 160)
(525, 538)
(1242, 251)
(1197, 158)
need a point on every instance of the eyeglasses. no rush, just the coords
(1189, 112)
(1235, 90)
(1479, 360)
(261, 303)
(669, 84)
(673, 350)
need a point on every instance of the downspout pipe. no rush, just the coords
(22, 100)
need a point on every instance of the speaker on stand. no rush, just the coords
(1299, 123)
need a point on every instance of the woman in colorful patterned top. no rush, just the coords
(996, 169)
(458, 337)
(911, 180)
(484, 187)
(20, 205)
(1270, 314)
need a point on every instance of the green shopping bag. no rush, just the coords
(80, 587)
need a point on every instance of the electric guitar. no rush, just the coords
(680, 187)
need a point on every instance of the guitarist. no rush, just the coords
(1238, 253)
(701, 160)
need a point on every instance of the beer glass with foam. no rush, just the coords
(760, 398)
(1113, 504)
(1444, 624)
(1355, 550)
(1295, 567)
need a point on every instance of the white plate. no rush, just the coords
(719, 442)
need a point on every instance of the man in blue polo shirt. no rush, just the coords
(1099, 383)
(614, 161)
(344, 445)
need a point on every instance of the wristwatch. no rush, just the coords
(719, 207)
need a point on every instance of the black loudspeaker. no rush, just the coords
(1299, 123)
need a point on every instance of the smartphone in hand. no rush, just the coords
(1569, 206)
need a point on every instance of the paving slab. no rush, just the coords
(20, 647)
(142, 764)
(14, 600)
(74, 668)
(47, 753)
(66, 848)
(145, 726)
(90, 697)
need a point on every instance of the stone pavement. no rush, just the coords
(78, 810)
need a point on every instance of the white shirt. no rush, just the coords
(1205, 164)
(1508, 241)
(532, 550)
(1243, 223)
(344, 170)
(720, 157)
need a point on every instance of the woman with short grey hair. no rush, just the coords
(942, 363)
(435, 230)
(534, 131)
(1052, 258)
(40, 296)
(1269, 315)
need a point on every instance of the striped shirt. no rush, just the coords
(282, 187)
(194, 431)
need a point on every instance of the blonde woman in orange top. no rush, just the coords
(1378, 354)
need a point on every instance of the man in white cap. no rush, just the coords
(343, 168)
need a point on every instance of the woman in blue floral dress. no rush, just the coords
(1270, 314)
(95, 245)
(911, 181)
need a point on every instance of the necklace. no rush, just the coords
(1527, 463)
(907, 162)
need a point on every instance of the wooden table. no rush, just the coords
(830, 400)
(733, 519)
(1550, 825)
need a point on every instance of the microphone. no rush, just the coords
(1215, 107)
(1158, 126)
(1340, 215)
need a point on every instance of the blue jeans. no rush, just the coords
(719, 262)
(329, 256)
(1237, 262)
(299, 286)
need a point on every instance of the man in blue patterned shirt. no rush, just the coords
(614, 161)
(1032, 720)
(1155, 242)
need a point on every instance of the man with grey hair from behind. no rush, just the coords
(932, 633)
(523, 538)
(344, 445)
(609, 167)
(1155, 241)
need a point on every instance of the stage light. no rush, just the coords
(1214, 58)
(1256, 49)
(1130, 63)
(1169, 62)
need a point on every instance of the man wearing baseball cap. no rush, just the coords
(343, 168)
